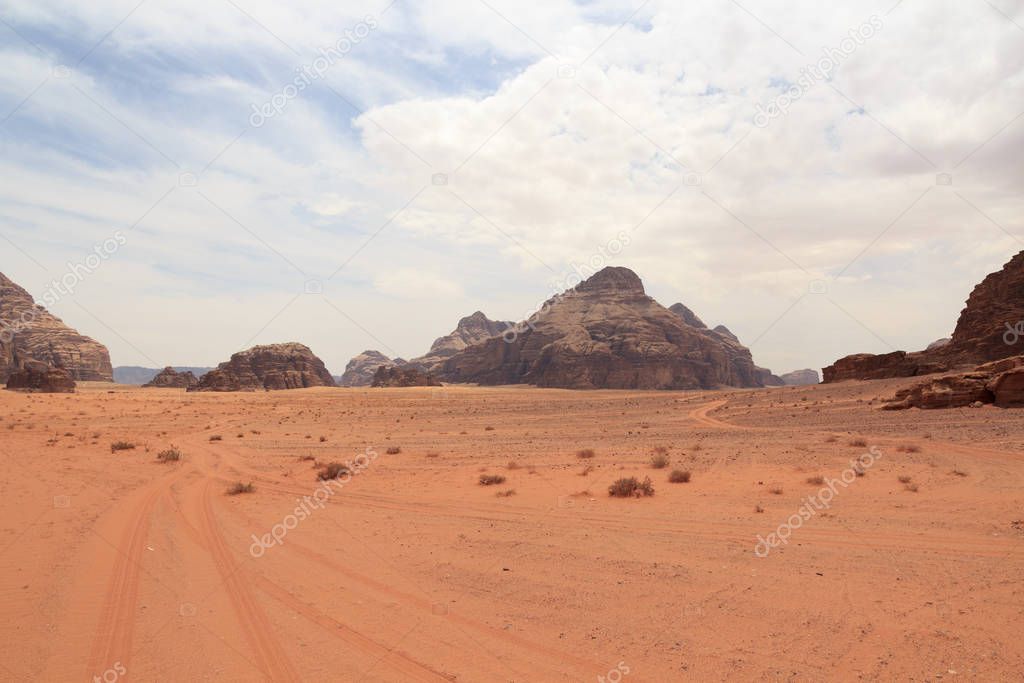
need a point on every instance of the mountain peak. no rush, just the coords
(613, 279)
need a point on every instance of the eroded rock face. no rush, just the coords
(473, 329)
(990, 327)
(800, 378)
(42, 378)
(360, 370)
(169, 378)
(270, 367)
(768, 379)
(606, 333)
(1000, 382)
(30, 332)
(403, 377)
(688, 316)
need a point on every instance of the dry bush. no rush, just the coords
(910, 487)
(394, 450)
(904, 478)
(859, 470)
(488, 428)
(433, 455)
(909, 448)
(239, 487)
(631, 487)
(172, 454)
(512, 465)
(775, 490)
(816, 480)
(585, 454)
(660, 461)
(323, 438)
(216, 437)
(958, 472)
(758, 509)
(332, 471)
(506, 494)
(587, 470)
(859, 443)
(491, 479)
(679, 477)
(306, 458)
(832, 439)
(121, 446)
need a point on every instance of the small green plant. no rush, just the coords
(239, 488)
(631, 487)
(491, 479)
(172, 454)
(679, 477)
(121, 446)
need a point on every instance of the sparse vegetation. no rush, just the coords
(910, 487)
(909, 448)
(488, 428)
(506, 494)
(433, 455)
(816, 480)
(216, 437)
(660, 461)
(323, 438)
(121, 446)
(491, 479)
(332, 471)
(679, 477)
(239, 487)
(172, 454)
(628, 487)
(904, 479)
(394, 450)
(587, 470)
(512, 465)
(859, 443)
(958, 472)
(585, 454)
(775, 491)
(758, 509)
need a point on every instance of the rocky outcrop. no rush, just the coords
(271, 367)
(473, 329)
(30, 332)
(606, 333)
(990, 327)
(138, 376)
(768, 379)
(403, 377)
(34, 376)
(688, 316)
(1000, 382)
(800, 378)
(360, 370)
(169, 378)
(938, 344)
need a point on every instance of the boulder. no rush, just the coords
(270, 367)
(29, 332)
(169, 378)
(38, 377)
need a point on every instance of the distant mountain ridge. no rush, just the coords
(137, 375)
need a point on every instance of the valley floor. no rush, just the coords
(115, 565)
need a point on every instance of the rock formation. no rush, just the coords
(471, 330)
(990, 327)
(800, 378)
(275, 366)
(42, 378)
(169, 378)
(938, 344)
(138, 376)
(30, 332)
(360, 370)
(606, 333)
(408, 376)
(689, 317)
(769, 379)
(1000, 382)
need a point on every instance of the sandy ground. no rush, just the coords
(113, 565)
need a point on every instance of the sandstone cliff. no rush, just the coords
(275, 366)
(606, 333)
(169, 378)
(30, 332)
(360, 370)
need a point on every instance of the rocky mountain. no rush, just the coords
(799, 378)
(275, 366)
(606, 333)
(360, 370)
(1000, 382)
(471, 330)
(169, 378)
(136, 375)
(408, 376)
(688, 316)
(730, 340)
(30, 332)
(990, 327)
(38, 377)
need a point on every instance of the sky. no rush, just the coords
(201, 177)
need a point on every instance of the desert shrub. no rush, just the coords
(587, 470)
(910, 487)
(216, 437)
(659, 461)
(585, 454)
(172, 454)
(121, 446)
(958, 472)
(332, 471)
(306, 458)
(904, 479)
(831, 439)
(239, 487)
(859, 443)
(512, 465)
(323, 438)
(817, 480)
(491, 479)
(394, 450)
(506, 494)
(909, 448)
(631, 486)
(775, 490)
(758, 509)
(679, 477)
(488, 428)
(433, 455)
